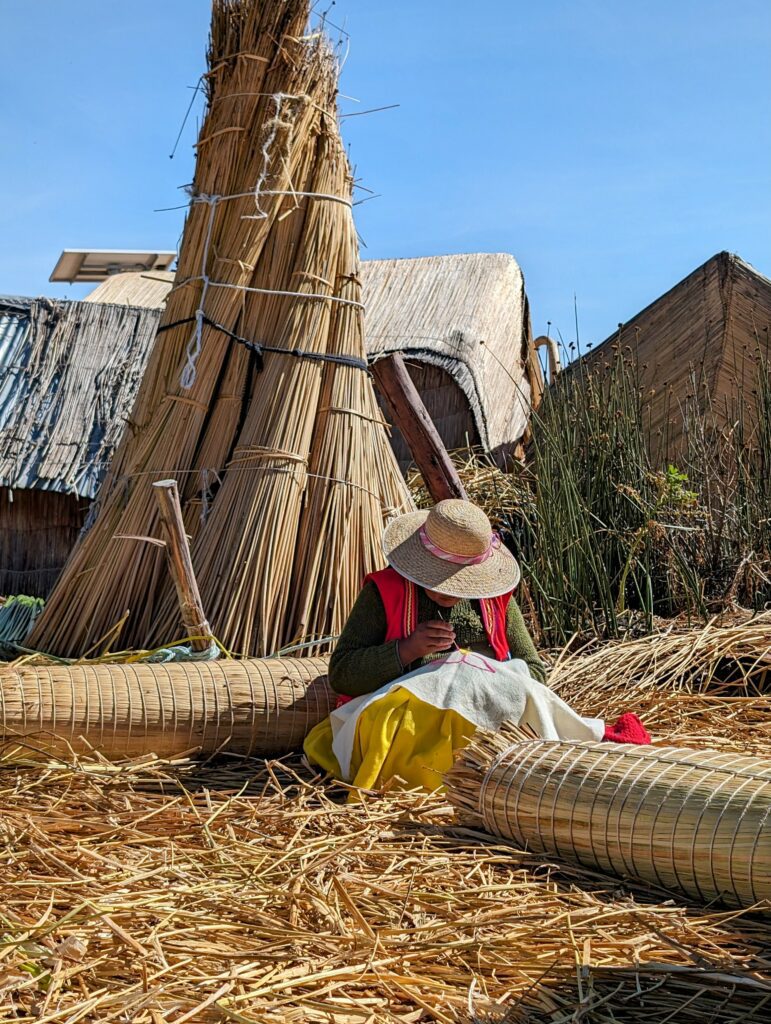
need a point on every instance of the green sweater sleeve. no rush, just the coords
(520, 642)
(362, 661)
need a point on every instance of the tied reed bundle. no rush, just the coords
(268, 254)
(246, 707)
(696, 822)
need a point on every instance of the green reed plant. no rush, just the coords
(606, 534)
(585, 539)
(611, 533)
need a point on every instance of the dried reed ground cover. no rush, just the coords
(251, 892)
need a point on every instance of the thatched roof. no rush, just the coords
(463, 314)
(146, 288)
(708, 329)
(466, 314)
(69, 372)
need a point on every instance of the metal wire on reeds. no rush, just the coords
(250, 707)
(286, 475)
(696, 822)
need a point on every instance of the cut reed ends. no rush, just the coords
(697, 822)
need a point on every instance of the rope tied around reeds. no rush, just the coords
(183, 652)
(257, 349)
(193, 351)
(246, 453)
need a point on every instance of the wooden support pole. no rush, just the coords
(410, 415)
(181, 564)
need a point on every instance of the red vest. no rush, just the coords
(400, 600)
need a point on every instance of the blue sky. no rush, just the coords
(611, 146)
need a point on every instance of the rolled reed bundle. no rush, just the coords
(262, 708)
(271, 213)
(696, 822)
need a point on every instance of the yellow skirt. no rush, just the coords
(398, 737)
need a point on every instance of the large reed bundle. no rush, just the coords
(263, 708)
(693, 821)
(269, 256)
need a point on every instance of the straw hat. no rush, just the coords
(451, 549)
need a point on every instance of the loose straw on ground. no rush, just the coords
(253, 892)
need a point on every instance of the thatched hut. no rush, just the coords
(149, 288)
(69, 372)
(462, 324)
(699, 344)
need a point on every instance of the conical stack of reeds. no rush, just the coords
(278, 467)
(696, 822)
(249, 707)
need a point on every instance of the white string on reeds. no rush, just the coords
(692, 821)
(270, 148)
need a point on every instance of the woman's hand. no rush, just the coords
(428, 638)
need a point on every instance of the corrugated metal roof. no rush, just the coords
(14, 332)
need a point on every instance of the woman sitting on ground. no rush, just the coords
(435, 648)
(450, 584)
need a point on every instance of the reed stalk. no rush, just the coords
(613, 542)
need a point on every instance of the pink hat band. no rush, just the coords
(449, 556)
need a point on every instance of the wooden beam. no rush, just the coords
(410, 415)
(181, 564)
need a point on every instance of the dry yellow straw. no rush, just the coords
(249, 892)
(279, 469)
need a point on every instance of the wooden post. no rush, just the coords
(181, 564)
(410, 415)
